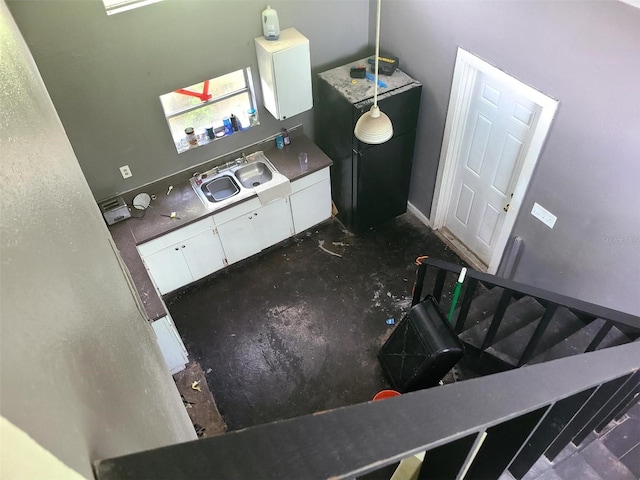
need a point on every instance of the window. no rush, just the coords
(205, 105)
(117, 6)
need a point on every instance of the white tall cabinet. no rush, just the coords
(285, 73)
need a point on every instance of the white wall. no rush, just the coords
(81, 371)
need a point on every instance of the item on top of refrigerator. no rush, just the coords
(386, 65)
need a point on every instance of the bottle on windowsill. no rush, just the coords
(235, 123)
(192, 140)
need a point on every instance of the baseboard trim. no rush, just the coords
(461, 250)
(418, 214)
(450, 240)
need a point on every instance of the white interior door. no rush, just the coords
(495, 129)
(499, 127)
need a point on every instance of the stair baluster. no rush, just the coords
(537, 335)
(472, 284)
(505, 299)
(599, 336)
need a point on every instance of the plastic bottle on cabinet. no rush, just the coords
(270, 24)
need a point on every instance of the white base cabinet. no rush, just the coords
(183, 256)
(173, 350)
(204, 247)
(254, 230)
(311, 200)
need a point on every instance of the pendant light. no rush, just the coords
(374, 126)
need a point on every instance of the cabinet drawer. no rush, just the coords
(174, 237)
(308, 180)
(243, 208)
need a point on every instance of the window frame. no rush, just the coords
(125, 5)
(248, 89)
(221, 98)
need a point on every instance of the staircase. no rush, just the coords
(505, 325)
(580, 376)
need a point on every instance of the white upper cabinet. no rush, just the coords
(285, 73)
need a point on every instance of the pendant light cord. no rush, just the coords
(375, 88)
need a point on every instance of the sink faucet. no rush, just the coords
(244, 158)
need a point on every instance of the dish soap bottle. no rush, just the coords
(270, 24)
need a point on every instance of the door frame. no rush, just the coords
(465, 72)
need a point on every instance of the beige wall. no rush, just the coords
(81, 372)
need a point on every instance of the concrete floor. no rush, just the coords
(296, 330)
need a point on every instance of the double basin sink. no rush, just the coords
(233, 180)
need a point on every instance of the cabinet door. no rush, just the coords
(311, 205)
(203, 254)
(238, 238)
(292, 75)
(168, 268)
(170, 343)
(273, 223)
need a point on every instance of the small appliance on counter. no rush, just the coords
(114, 210)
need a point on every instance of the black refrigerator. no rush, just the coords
(369, 183)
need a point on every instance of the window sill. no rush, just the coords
(181, 147)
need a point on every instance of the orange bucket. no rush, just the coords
(382, 394)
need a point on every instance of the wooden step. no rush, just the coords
(483, 306)
(518, 314)
(562, 325)
(579, 341)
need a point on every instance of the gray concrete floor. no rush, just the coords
(296, 330)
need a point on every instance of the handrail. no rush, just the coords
(351, 441)
(538, 293)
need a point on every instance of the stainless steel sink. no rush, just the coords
(220, 188)
(233, 181)
(253, 174)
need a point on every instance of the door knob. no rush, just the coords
(506, 207)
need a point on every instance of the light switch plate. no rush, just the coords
(544, 215)
(125, 171)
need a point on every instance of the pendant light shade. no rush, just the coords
(374, 127)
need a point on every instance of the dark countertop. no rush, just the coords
(189, 208)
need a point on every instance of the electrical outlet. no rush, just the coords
(125, 171)
(544, 215)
